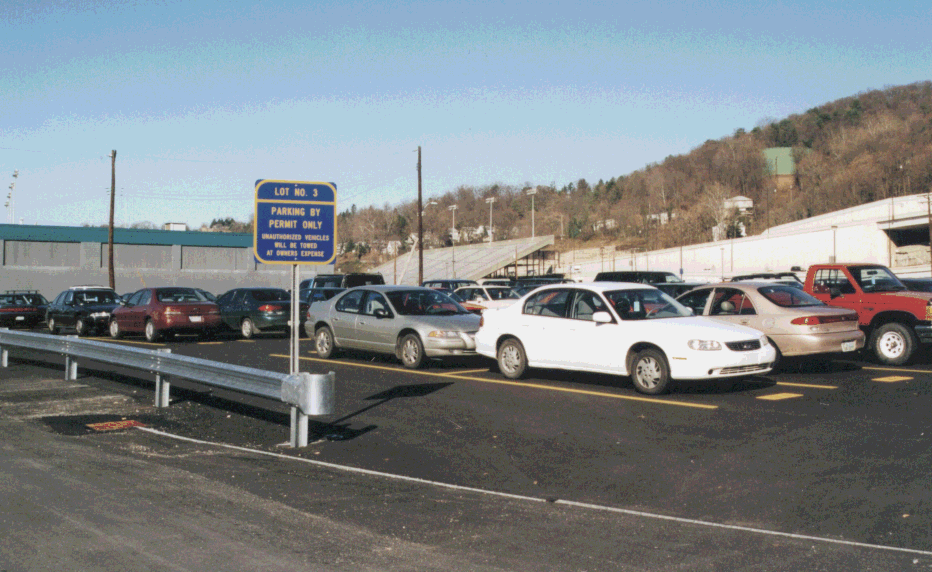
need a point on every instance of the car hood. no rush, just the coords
(456, 322)
(698, 327)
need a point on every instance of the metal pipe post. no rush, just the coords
(162, 385)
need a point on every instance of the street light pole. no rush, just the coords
(490, 201)
(532, 192)
(452, 209)
(420, 223)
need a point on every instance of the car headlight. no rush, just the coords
(443, 334)
(764, 342)
(704, 345)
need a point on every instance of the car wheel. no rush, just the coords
(650, 372)
(412, 351)
(115, 331)
(247, 328)
(893, 343)
(512, 359)
(323, 342)
(53, 327)
(152, 335)
(80, 326)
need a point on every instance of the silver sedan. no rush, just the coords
(411, 322)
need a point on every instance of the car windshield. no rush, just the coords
(502, 294)
(876, 279)
(788, 296)
(271, 295)
(424, 303)
(645, 304)
(179, 295)
(328, 281)
(95, 297)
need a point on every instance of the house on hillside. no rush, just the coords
(781, 167)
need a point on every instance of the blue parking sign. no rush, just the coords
(295, 222)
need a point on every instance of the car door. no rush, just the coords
(373, 332)
(543, 327)
(732, 305)
(343, 318)
(68, 310)
(696, 300)
(588, 345)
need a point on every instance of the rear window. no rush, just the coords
(179, 295)
(788, 296)
(270, 295)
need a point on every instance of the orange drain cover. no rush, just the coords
(115, 425)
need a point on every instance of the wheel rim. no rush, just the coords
(52, 325)
(648, 372)
(892, 345)
(79, 326)
(511, 358)
(409, 351)
(323, 342)
(247, 329)
(114, 329)
(150, 330)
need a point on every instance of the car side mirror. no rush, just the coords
(602, 317)
(835, 292)
(382, 313)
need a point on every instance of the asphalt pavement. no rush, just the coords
(452, 467)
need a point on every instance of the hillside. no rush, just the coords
(859, 149)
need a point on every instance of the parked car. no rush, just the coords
(479, 298)
(164, 312)
(917, 284)
(34, 298)
(18, 310)
(448, 285)
(411, 322)
(619, 328)
(313, 296)
(786, 278)
(87, 309)
(668, 282)
(796, 323)
(255, 310)
(341, 280)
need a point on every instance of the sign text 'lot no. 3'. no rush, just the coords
(295, 222)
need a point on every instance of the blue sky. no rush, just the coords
(201, 99)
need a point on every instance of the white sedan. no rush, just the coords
(619, 328)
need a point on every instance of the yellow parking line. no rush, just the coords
(532, 385)
(465, 372)
(892, 379)
(247, 341)
(809, 385)
(779, 396)
(209, 343)
(127, 342)
(891, 369)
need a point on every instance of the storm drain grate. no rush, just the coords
(76, 425)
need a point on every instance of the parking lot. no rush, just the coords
(824, 463)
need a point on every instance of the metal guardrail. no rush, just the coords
(308, 394)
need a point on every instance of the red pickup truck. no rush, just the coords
(894, 320)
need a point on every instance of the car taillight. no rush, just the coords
(817, 320)
(269, 308)
(173, 311)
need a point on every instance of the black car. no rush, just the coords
(667, 282)
(34, 298)
(255, 310)
(87, 309)
(17, 310)
(918, 284)
(350, 280)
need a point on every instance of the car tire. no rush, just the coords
(411, 351)
(323, 342)
(53, 327)
(80, 326)
(152, 335)
(512, 359)
(650, 372)
(778, 359)
(893, 343)
(115, 331)
(247, 329)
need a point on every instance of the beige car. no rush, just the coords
(795, 322)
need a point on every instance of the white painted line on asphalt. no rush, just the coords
(575, 504)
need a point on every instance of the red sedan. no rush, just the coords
(159, 312)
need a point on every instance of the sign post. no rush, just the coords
(296, 224)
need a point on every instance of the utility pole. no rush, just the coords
(453, 237)
(490, 201)
(420, 223)
(110, 232)
(532, 192)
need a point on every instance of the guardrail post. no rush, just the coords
(4, 357)
(162, 384)
(71, 364)
(308, 394)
